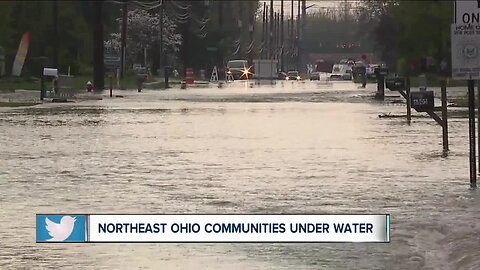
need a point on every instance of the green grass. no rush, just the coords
(11, 84)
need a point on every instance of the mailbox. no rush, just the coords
(422, 101)
(395, 84)
(50, 72)
(381, 71)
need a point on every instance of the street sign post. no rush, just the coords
(465, 44)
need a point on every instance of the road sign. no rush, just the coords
(112, 63)
(465, 51)
(467, 11)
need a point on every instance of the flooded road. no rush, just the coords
(289, 148)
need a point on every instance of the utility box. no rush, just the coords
(422, 101)
(395, 84)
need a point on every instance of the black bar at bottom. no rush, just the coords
(471, 131)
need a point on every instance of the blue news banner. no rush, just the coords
(213, 228)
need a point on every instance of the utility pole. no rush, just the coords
(240, 24)
(292, 46)
(220, 11)
(282, 38)
(267, 33)
(160, 59)
(278, 37)
(123, 56)
(301, 53)
(274, 47)
(98, 65)
(186, 41)
(55, 34)
(270, 33)
(263, 30)
(251, 30)
(298, 36)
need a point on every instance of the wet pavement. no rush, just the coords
(308, 147)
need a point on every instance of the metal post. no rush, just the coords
(380, 87)
(478, 96)
(409, 104)
(445, 117)
(471, 131)
(111, 85)
(42, 87)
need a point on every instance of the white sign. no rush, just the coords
(465, 51)
(467, 11)
(238, 228)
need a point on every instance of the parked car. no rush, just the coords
(315, 76)
(237, 68)
(341, 72)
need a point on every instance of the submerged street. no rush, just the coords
(292, 147)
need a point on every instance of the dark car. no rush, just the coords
(237, 68)
(293, 75)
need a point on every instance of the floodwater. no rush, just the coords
(293, 147)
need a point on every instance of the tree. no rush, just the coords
(406, 30)
(143, 32)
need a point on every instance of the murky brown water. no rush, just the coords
(296, 148)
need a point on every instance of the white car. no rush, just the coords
(341, 72)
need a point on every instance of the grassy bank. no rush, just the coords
(433, 80)
(11, 84)
(79, 83)
(17, 104)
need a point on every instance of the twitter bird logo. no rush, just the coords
(60, 231)
(61, 228)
